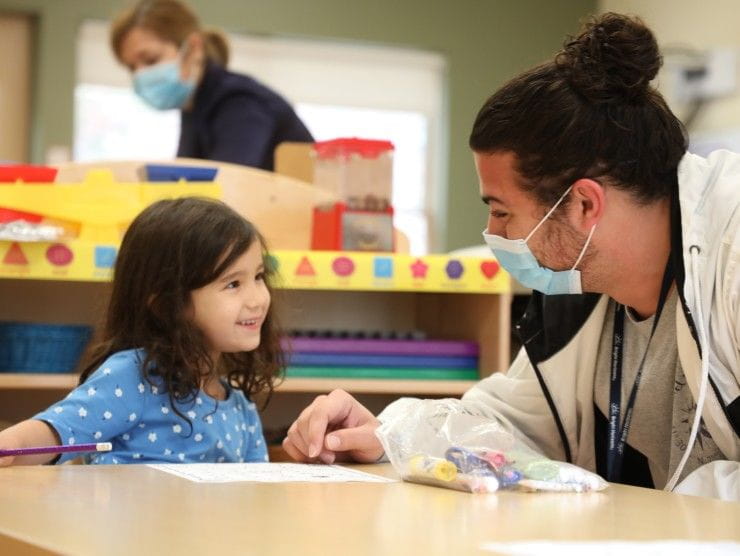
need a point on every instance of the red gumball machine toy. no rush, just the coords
(360, 172)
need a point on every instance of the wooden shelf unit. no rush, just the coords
(444, 297)
(483, 318)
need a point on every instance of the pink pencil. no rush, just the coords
(95, 447)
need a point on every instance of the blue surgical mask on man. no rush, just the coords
(519, 261)
(161, 87)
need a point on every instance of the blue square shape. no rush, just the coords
(105, 257)
(383, 267)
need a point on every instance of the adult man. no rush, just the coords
(589, 188)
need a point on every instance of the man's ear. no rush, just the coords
(587, 205)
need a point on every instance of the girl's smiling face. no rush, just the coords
(230, 310)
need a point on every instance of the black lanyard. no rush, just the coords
(618, 438)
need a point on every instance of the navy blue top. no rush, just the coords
(237, 119)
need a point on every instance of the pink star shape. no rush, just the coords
(419, 269)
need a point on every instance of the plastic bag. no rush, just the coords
(436, 442)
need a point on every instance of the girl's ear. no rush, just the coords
(156, 306)
(153, 304)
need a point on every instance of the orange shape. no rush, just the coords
(305, 268)
(15, 255)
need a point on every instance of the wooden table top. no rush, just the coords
(134, 509)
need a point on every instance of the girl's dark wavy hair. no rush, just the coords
(590, 112)
(172, 248)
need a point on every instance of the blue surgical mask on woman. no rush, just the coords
(161, 87)
(519, 261)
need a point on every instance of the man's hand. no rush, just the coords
(334, 428)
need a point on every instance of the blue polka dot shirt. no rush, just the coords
(117, 405)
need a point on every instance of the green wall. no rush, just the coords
(485, 42)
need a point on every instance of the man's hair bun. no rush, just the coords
(612, 60)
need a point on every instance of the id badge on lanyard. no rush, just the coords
(618, 436)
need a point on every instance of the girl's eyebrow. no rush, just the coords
(236, 273)
(231, 275)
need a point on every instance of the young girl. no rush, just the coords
(189, 339)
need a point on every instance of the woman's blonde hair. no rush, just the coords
(172, 21)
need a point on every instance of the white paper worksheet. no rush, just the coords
(267, 473)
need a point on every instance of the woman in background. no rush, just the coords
(176, 64)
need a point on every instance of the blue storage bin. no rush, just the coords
(170, 172)
(41, 348)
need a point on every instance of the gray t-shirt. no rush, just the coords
(664, 407)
